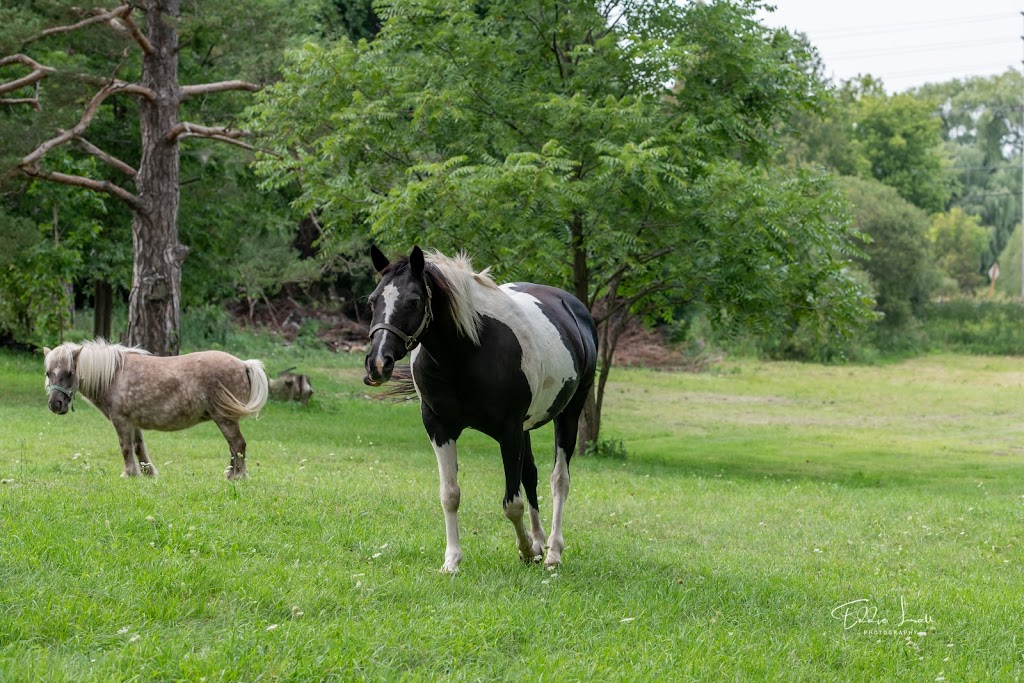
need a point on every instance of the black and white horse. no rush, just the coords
(501, 360)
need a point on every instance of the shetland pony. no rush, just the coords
(137, 391)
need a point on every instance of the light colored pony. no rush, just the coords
(137, 391)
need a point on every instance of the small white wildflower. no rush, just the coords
(376, 555)
(124, 630)
(272, 627)
(135, 638)
(150, 518)
(922, 634)
(296, 612)
(626, 620)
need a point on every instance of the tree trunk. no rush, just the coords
(103, 309)
(590, 420)
(154, 305)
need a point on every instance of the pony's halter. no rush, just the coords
(410, 339)
(70, 393)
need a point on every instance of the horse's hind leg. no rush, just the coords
(145, 465)
(566, 426)
(512, 503)
(530, 486)
(236, 442)
(126, 437)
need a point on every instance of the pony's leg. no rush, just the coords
(236, 442)
(145, 465)
(566, 426)
(443, 441)
(512, 503)
(126, 437)
(530, 486)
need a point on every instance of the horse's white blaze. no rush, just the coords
(547, 363)
(447, 471)
(390, 296)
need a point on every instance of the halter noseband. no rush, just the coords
(410, 339)
(70, 393)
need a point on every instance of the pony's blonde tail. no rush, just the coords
(259, 390)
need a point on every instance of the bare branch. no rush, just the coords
(134, 32)
(120, 87)
(108, 159)
(192, 130)
(67, 135)
(88, 183)
(38, 73)
(102, 16)
(190, 91)
(34, 101)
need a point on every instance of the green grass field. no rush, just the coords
(772, 521)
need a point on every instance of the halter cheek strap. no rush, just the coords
(410, 339)
(70, 393)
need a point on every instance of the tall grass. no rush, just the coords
(753, 503)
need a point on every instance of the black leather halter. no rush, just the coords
(410, 339)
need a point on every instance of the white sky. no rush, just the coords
(908, 42)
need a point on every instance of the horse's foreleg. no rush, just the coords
(236, 442)
(126, 437)
(451, 496)
(145, 465)
(530, 487)
(512, 503)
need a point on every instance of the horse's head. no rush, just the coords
(401, 313)
(61, 376)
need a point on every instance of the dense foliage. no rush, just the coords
(619, 150)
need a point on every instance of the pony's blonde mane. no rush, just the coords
(98, 362)
(460, 282)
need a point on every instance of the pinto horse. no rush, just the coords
(137, 391)
(502, 360)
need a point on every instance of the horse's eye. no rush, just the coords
(412, 303)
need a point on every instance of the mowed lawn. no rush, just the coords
(772, 521)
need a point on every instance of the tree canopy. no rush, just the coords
(620, 150)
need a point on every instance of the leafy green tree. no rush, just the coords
(98, 78)
(982, 127)
(620, 150)
(896, 257)
(959, 242)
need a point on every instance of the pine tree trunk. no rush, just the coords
(154, 305)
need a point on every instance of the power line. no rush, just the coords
(913, 49)
(883, 29)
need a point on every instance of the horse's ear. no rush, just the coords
(74, 354)
(46, 351)
(416, 261)
(380, 261)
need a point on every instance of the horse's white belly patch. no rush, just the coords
(547, 363)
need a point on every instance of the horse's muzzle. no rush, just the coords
(59, 404)
(378, 369)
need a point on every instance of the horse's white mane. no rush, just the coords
(462, 281)
(98, 362)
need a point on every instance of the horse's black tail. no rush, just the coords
(400, 386)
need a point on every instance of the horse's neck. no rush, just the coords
(442, 340)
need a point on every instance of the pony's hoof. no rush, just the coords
(232, 475)
(449, 569)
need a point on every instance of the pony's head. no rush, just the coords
(61, 376)
(401, 312)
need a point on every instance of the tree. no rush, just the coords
(896, 255)
(959, 243)
(619, 150)
(981, 125)
(148, 187)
